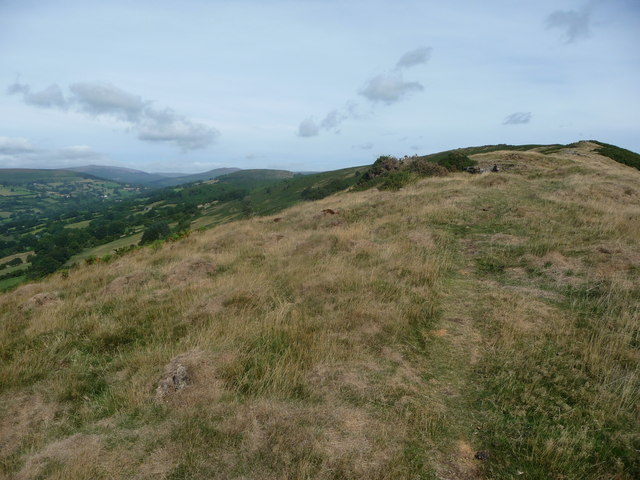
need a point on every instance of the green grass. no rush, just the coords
(9, 283)
(14, 191)
(81, 224)
(106, 249)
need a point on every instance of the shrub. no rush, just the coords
(397, 180)
(425, 168)
(382, 166)
(456, 161)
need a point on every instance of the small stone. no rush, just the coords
(481, 455)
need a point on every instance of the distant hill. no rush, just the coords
(196, 177)
(169, 174)
(155, 180)
(255, 177)
(19, 176)
(119, 174)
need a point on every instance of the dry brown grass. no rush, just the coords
(356, 345)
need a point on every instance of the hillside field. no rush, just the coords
(463, 327)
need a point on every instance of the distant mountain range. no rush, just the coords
(139, 177)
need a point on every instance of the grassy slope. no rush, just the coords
(492, 312)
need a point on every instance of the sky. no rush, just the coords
(308, 85)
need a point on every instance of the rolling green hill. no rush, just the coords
(119, 174)
(21, 176)
(197, 177)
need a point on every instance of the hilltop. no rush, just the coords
(457, 326)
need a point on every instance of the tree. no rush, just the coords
(155, 231)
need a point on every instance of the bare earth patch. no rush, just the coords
(45, 299)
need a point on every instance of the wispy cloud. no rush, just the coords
(103, 99)
(389, 88)
(331, 121)
(517, 118)
(363, 146)
(50, 97)
(20, 152)
(385, 88)
(574, 24)
(308, 128)
(414, 57)
(15, 145)
(77, 153)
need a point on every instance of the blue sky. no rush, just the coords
(308, 85)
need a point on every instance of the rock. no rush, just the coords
(481, 455)
(176, 380)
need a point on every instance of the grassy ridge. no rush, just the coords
(618, 154)
(393, 339)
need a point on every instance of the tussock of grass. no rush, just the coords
(393, 339)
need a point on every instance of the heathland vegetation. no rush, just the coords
(444, 326)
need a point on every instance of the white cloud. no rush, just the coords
(105, 99)
(167, 126)
(50, 97)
